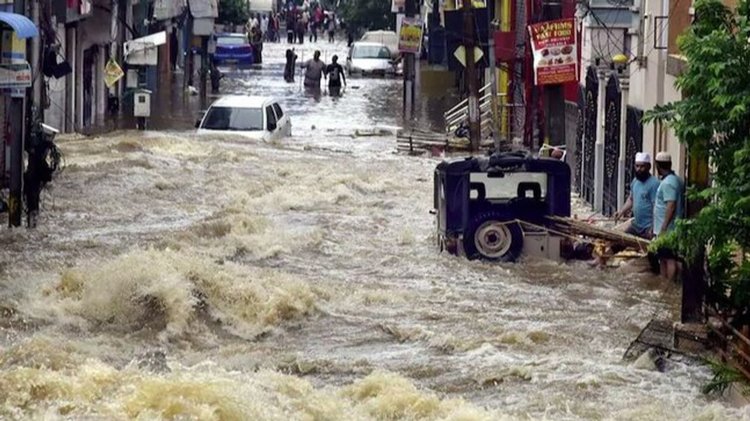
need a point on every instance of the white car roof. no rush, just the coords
(381, 36)
(369, 44)
(243, 101)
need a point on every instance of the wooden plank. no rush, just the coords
(421, 136)
(423, 142)
(577, 227)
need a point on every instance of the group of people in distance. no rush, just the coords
(309, 18)
(315, 69)
(656, 203)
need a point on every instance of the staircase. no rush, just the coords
(416, 141)
(459, 114)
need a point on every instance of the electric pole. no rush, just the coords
(17, 119)
(554, 98)
(410, 9)
(204, 71)
(475, 130)
(493, 86)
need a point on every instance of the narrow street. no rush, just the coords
(205, 277)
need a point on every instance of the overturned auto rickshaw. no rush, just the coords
(497, 207)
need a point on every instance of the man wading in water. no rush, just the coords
(314, 71)
(335, 74)
(291, 59)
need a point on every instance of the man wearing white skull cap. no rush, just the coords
(642, 197)
(667, 209)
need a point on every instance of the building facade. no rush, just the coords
(645, 32)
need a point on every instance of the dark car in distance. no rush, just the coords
(233, 49)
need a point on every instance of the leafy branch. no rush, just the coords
(724, 376)
(713, 121)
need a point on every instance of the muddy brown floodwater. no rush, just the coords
(182, 277)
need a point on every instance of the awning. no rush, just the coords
(24, 27)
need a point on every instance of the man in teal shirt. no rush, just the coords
(642, 197)
(667, 209)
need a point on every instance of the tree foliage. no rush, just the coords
(724, 375)
(234, 12)
(713, 121)
(368, 14)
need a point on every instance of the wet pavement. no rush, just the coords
(176, 276)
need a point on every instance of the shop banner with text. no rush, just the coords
(555, 56)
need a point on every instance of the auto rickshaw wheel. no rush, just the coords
(493, 236)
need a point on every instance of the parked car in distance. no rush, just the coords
(370, 58)
(233, 49)
(387, 38)
(256, 117)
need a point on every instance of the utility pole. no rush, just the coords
(554, 98)
(493, 85)
(623, 71)
(189, 62)
(36, 98)
(17, 119)
(475, 131)
(204, 70)
(599, 145)
(410, 9)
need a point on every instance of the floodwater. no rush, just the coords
(182, 277)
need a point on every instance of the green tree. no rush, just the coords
(368, 14)
(233, 12)
(713, 120)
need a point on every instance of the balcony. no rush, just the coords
(72, 11)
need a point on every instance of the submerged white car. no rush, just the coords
(370, 58)
(253, 116)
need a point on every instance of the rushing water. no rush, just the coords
(183, 277)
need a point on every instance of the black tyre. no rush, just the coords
(493, 236)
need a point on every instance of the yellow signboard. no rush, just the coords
(13, 48)
(477, 4)
(112, 73)
(460, 54)
(410, 36)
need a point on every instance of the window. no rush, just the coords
(371, 51)
(270, 117)
(507, 186)
(231, 41)
(279, 113)
(228, 118)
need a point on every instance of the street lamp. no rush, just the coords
(623, 73)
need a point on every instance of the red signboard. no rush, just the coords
(555, 54)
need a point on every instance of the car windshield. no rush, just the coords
(227, 118)
(231, 41)
(507, 186)
(371, 51)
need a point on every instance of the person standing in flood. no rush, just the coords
(256, 40)
(335, 75)
(331, 27)
(668, 208)
(302, 27)
(264, 23)
(314, 69)
(291, 60)
(642, 197)
(291, 27)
